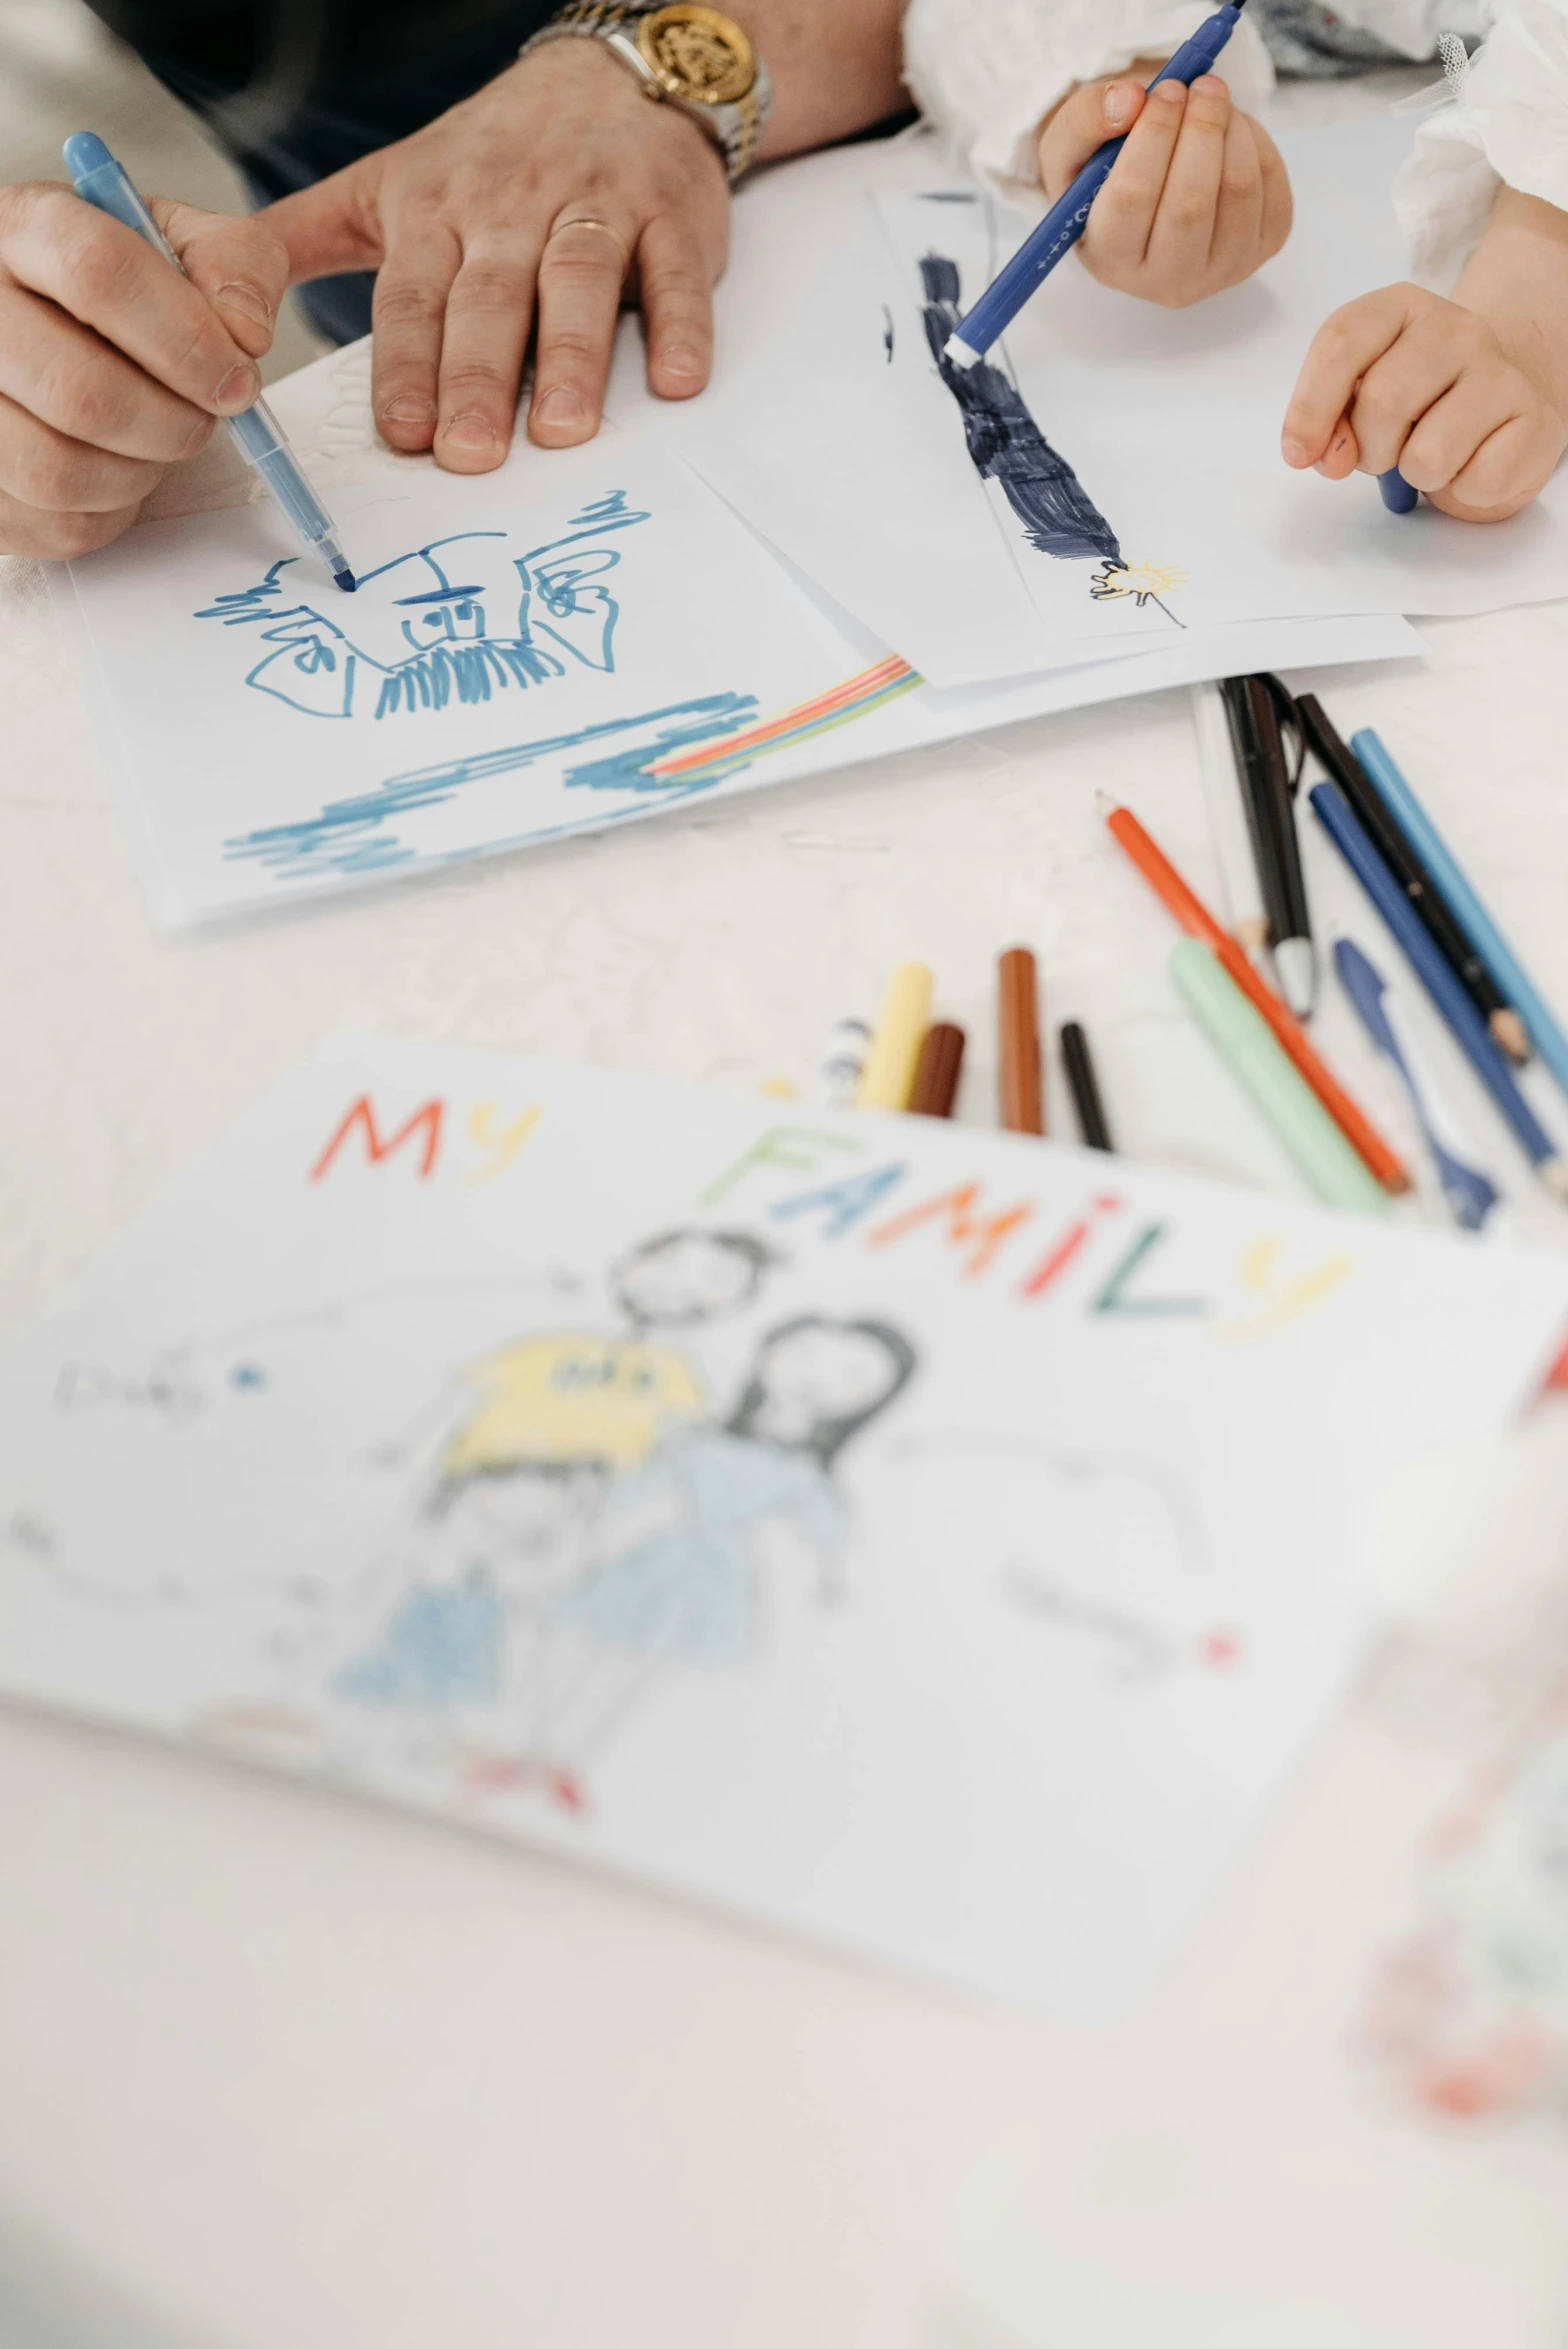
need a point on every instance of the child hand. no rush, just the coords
(1403, 377)
(1198, 198)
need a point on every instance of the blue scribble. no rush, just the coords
(436, 647)
(356, 835)
(1005, 444)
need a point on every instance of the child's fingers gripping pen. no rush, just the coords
(102, 182)
(1064, 224)
(1396, 492)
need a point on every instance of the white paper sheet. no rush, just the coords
(1168, 420)
(936, 1543)
(518, 647)
(521, 650)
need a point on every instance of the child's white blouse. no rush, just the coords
(987, 71)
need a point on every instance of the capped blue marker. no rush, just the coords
(257, 434)
(1064, 224)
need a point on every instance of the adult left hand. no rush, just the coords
(554, 193)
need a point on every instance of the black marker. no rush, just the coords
(1253, 711)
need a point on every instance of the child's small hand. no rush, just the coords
(1198, 198)
(1402, 377)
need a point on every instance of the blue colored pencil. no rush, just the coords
(1514, 982)
(1431, 966)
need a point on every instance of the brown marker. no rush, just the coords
(937, 1071)
(1022, 1105)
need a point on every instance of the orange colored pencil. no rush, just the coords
(1196, 919)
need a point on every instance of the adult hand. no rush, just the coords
(1403, 377)
(112, 365)
(1197, 199)
(554, 192)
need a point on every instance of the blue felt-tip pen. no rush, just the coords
(1064, 224)
(258, 436)
(1397, 493)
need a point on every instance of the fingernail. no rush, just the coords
(469, 431)
(409, 408)
(239, 387)
(248, 300)
(1118, 104)
(682, 360)
(1170, 93)
(1292, 450)
(1210, 84)
(560, 405)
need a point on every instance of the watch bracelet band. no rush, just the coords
(735, 128)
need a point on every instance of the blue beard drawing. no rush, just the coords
(457, 621)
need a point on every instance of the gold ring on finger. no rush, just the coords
(587, 220)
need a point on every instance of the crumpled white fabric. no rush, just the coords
(988, 71)
(1509, 124)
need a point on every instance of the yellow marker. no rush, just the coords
(888, 1078)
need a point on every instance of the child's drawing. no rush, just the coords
(672, 1575)
(823, 1521)
(455, 621)
(1005, 443)
(514, 1458)
(1054, 512)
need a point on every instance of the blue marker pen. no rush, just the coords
(257, 434)
(1064, 224)
(1396, 492)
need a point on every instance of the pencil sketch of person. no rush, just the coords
(456, 621)
(676, 1556)
(442, 1631)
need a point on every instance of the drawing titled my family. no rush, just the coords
(456, 621)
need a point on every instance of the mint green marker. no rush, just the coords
(1242, 1037)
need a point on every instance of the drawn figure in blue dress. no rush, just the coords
(456, 621)
(674, 1577)
(443, 1632)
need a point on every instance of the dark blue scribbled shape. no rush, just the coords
(1005, 443)
(354, 835)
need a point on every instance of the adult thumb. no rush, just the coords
(331, 227)
(1083, 122)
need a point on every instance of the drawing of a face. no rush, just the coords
(690, 1276)
(452, 592)
(816, 1382)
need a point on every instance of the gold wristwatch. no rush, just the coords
(685, 55)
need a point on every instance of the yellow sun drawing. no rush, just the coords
(1142, 580)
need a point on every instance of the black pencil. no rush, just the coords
(1265, 790)
(1343, 766)
(1084, 1087)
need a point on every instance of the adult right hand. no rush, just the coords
(112, 365)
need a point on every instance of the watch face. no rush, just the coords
(697, 54)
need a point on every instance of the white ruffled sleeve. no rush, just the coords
(1509, 124)
(988, 71)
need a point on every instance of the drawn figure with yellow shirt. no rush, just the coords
(448, 1633)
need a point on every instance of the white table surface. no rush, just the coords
(280, 2071)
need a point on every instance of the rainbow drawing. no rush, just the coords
(857, 697)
